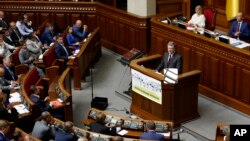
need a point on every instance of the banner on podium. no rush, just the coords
(146, 86)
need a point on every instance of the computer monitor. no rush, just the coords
(207, 34)
(181, 25)
(224, 40)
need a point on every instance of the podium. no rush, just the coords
(179, 101)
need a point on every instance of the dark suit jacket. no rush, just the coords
(8, 41)
(42, 105)
(5, 85)
(174, 62)
(13, 116)
(3, 138)
(78, 33)
(9, 74)
(3, 24)
(47, 37)
(62, 135)
(100, 128)
(151, 135)
(14, 36)
(60, 52)
(244, 29)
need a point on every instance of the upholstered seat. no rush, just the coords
(210, 15)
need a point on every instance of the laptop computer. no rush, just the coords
(181, 25)
(224, 40)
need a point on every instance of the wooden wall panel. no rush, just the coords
(102, 24)
(199, 64)
(110, 26)
(225, 69)
(136, 34)
(215, 72)
(229, 79)
(43, 17)
(12, 16)
(60, 20)
(170, 6)
(243, 85)
(156, 44)
(186, 54)
(121, 33)
(131, 38)
(91, 21)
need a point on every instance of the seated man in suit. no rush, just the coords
(60, 50)
(68, 134)
(9, 70)
(15, 35)
(99, 126)
(22, 28)
(44, 127)
(25, 57)
(48, 35)
(42, 104)
(151, 134)
(6, 84)
(5, 49)
(240, 29)
(3, 23)
(34, 47)
(7, 112)
(79, 32)
(171, 59)
(7, 39)
(6, 130)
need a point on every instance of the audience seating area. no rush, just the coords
(135, 127)
(92, 135)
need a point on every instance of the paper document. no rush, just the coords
(15, 94)
(165, 134)
(123, 132)
(21, 109)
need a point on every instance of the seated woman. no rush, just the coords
(99, 126)
(198, 19)
(71, 41)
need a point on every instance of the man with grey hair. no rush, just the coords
(171, 59)
(151, 134)
(68, 134)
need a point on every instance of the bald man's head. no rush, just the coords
(79, 23)
(12, 25)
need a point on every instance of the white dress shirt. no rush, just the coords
(198, 20)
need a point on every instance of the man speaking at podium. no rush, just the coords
(171, 59)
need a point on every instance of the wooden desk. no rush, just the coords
(225, 69)
(89, 52)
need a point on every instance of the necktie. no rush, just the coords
(11, 73)
(238, 27)
(169, 57)
(17, 34)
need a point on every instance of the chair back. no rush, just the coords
(210, 15)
